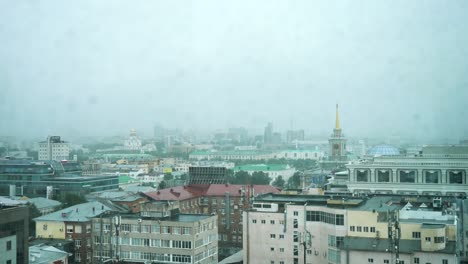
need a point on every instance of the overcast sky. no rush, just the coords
(104, 67)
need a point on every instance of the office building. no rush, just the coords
(158, 235)
(14, 232)
(31, 178)
(54, 149)
(324, 229)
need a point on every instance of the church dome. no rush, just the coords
(383, 150)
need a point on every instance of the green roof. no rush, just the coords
(262, 167)
(125, 179)
(231, 152)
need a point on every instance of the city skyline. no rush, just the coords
(97, 69)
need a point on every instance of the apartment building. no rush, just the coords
(157, 236)
(74, 223)
(228, 201)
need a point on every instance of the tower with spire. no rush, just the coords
(337, 147)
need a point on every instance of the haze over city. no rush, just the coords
(103, 67)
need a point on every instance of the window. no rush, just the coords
(77, 243)
(254, 221)
(339, 219)
(69, 229)
(281, 249)
(281, 222)
(44, 227)
(8, 261)
(125, 227)
(352, 228)
(359, 229)
(407, 176)
(8, 245)
(295, 224)
(263, 221)
(370, 260)
(440, 239)
(272, 262)
(296, 213)
(428, 239)
(386, 261)
(445, 261)
(417, 235)
(272, 249)
(281, 236)
(296, 236)
(366, 229)
(361, 175)
(296, 250)
(372, 229)
(456, 177)
(281, 262)
(416, 260)
(272, 222)
(272, 236)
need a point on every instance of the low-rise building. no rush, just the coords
(271, 170)
(436, 170)
(44, 205)
(44, 254)
(74, 223)
(32, 178)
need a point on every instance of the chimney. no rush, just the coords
(94, 210)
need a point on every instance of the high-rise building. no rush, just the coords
(293, 135)
(54, 149)
(14, 232)
(268, 134)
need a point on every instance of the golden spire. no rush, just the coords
(337, 122)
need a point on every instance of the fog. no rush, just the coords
(103, 67)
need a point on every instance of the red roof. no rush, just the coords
(235, 189)
(177, 193)
(181, 193)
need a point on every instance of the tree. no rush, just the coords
(33, 213)
(295, 180)
(168, 177)
(279, 182)
(162, 185)
(242, 177)
(259, 177)
(70, 199)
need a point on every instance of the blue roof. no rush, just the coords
(383, 150)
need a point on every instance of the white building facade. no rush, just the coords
(54, 149)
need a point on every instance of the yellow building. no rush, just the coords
(73, 223)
